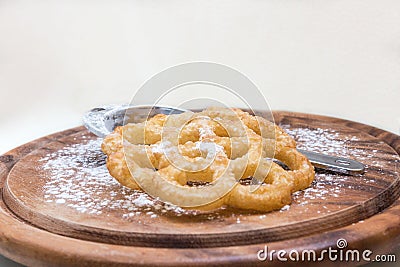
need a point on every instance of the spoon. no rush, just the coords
(102, 120)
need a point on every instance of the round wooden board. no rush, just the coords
(60, 207)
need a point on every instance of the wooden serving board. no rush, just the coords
(59, 206)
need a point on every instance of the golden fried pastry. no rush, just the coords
(201, 160)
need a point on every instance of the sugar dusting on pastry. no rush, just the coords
(175, 176)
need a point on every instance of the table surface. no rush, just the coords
(59, 59)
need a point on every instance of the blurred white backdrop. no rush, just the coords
(61, 58)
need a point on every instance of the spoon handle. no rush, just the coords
(332, 163)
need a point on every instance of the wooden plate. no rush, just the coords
(60, 207)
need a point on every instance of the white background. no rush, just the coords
(61, 58)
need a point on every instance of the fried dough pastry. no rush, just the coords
(220, 147)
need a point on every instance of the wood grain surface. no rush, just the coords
(50, 216)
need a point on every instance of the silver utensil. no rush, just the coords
(102, 120)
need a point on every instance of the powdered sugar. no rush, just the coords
(209, 148)
(329, 184)
(77, 177)
(320, 140)
(205, 131)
